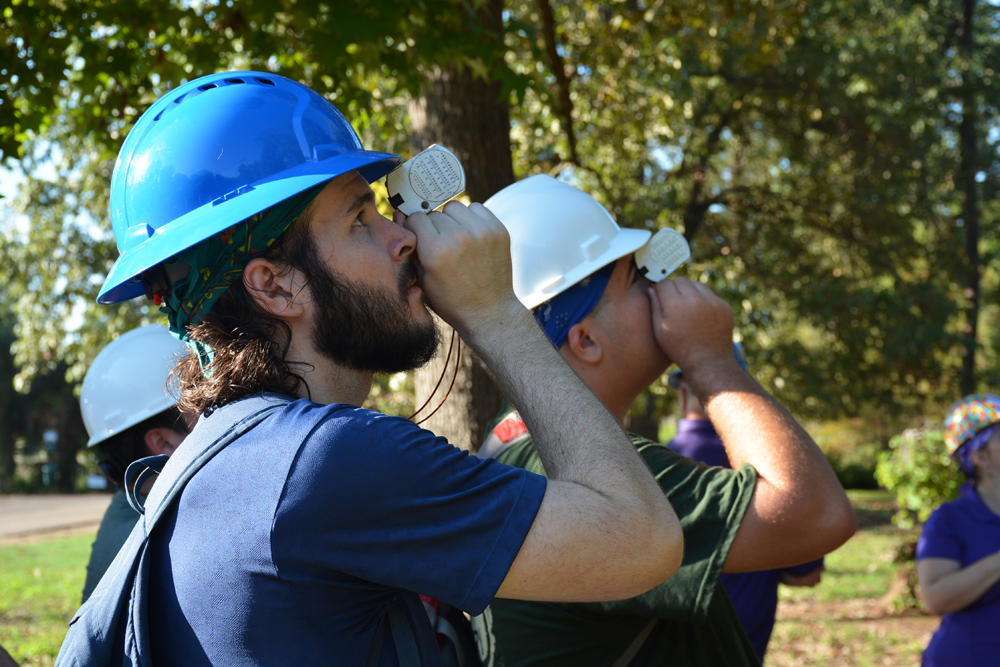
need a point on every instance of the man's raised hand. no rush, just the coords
(464, 255)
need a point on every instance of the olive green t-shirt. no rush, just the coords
(697, 623)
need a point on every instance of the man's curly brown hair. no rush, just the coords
(250, 344)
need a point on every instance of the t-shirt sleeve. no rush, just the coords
(939, 538)
(381, 499)
(710, 503)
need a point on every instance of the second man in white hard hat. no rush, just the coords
(129, 412)
(782, 505)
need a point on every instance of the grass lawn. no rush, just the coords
(40, 583)
(843, 621)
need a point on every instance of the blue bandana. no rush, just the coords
(564, 310)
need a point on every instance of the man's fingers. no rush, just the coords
(475, 218)
(443, 222)
(667, 289)
(420, 224)
(705, 290)
(656, 308)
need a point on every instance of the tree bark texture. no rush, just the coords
(469, 116)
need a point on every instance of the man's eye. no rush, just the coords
(358, 221)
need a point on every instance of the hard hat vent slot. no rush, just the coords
(266, 82)
(553, 285)
(594, 247)
(210, 86)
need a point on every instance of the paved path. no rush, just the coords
(21, 515)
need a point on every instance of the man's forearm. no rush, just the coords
(757, 430)
(798, 502)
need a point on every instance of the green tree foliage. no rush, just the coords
(807, 151)
(76, 75)
(91, 68)
(25, 416)
(919, 472)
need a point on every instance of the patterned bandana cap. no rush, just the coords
(218, 260)
(969, 416)
(564, 310)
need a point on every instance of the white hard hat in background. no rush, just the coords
(127, 383)
(559, 235)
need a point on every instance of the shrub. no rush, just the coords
(917, 470)
(855, 467)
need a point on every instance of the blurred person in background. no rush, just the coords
(958, 554)
(130, 413)
(753, 594)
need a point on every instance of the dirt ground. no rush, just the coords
(22, 516)
(849, 634)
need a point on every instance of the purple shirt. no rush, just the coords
(754, 594)
(964, 530)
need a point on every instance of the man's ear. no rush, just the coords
(162, 440)
(275, 288)
(582, 344)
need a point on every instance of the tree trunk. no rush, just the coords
(970, 205)
(469, 116)
(7, 443)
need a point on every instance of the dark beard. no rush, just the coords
(366, 327)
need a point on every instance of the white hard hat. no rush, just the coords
(559, 235)
(127, 383)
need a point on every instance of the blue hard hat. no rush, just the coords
(215, 151)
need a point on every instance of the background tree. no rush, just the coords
(806, 152)
(812, 153)
(465, 109)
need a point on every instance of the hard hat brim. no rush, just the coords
(625, 242)
(122, 282)
(136, 418)
(129, 381)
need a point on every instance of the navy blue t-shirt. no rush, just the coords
(964, 530)
(289, 545)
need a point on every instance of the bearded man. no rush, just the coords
(241, 203)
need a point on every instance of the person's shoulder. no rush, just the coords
(521, 453)
(343, 424)
(662, 459)
(952, 514)
(343, 415)
(958, 506)
(650, 448)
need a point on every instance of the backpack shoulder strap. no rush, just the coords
(116, 610)
(210, 436)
